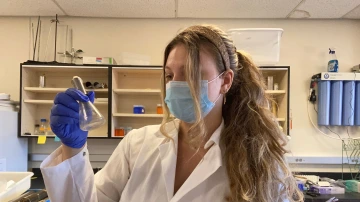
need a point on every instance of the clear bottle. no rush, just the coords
(37, 129)
(42, 128)
(333, 64)
(48, 130)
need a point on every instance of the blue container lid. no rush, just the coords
(43, 120)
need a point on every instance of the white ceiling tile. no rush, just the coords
(119, 8)
(236, 8)
(29, 8)
(354, 14)
(328, 8)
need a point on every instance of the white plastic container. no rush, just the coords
(22, 183)
(263, 44)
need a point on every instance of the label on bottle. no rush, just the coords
(333, 66)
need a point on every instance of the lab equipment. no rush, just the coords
(352, 186)
(327, 190)
(37, 129)
(333, 64)
(357, 104)
(336, 99)
(276, 86)
(356, 68)
(324, 103)
(119, 132)
(138, 109)
(90, 116)
(270, 83)
(48, 130)
(64, 117)
(98, 60)
(159, 109)
(88, 84)
(348, 103)
(43, 127)
(42, 81)
(22, 183)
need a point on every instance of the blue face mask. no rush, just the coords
(180, 103)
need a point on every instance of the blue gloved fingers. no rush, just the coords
(61, 120)
(66, 100)
(61, 110)
(77, 95)
(91, 95)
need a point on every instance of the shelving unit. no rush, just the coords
(135, 86)
(127, 86)
(36, 102)
(281, 75)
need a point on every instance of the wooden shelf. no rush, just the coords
(275, 92)
(40, 102)
(37, 135)
(137, 91)
(52, 136)
(137, 115)
(58, 90)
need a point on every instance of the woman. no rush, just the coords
(224, 144)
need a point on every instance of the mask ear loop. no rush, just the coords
(216, 77)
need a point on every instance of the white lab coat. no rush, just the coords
(141, 169)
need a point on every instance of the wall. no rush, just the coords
(14, 42)
(304, 47)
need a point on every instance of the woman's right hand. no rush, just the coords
(64, 117)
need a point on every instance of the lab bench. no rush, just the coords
(38, 183)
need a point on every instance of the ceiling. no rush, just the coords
(312, 9)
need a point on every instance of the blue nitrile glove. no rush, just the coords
(64, 117)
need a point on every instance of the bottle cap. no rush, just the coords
(159, 105)
(43, 120)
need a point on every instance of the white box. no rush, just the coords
(22, 183)
(127, 58)
(99, 60)
(263, 44)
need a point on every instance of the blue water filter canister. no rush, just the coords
(357, 104)
(336, 103)
(324, 103)
(348, 103)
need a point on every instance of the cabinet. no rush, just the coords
(135, 86)
(281, 76)
(126, 86)
(36, 102)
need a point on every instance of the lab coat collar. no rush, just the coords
(206, 167)
(215, 137)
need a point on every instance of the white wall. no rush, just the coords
(304, 47)
(14, 46)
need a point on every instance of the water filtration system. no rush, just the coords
(338, 98)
